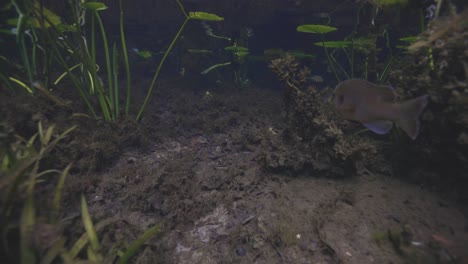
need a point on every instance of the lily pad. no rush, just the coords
(235, 48)
(205, 16)
(95, 6)
(334, 44)
(322, 29)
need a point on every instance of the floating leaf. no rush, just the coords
(242, 53)
(334, 44)
(409, 39)
(389, 2)
(95, 6)
(235, 48)
(302, 55)
(205, 16)
(197, 51)
(322, 29)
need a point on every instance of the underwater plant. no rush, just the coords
(237, 52)
(321, 29)
(41, 238)
(349, 47)
(67, 46)
(188, 16)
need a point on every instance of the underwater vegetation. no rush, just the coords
(351, 48)
(68, 44)
(315, 137)
(41, 233)
(437, 65)
(59, 55)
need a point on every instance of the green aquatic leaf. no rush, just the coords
(403, 47)
(95, 6)
(50, 17)
(205, 16)
(334, 44)
(363, 42)
(241, 53)
(235, 48)
(88, 224)
(409, 39)
(322, 29)
(389, 2)
(137, 244)
(145, 54)
(302, 55)
(198, 51)
(6, 32)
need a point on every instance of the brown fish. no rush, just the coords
(374, 106)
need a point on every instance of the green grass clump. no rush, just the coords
(20, 218)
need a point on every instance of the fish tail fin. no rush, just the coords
(411, 110)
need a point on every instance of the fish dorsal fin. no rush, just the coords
(386, 93)
(379, 127)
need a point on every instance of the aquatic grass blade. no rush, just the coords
(158, 70)
(65, 73)
(83, 240)
(108, 66)
(28, 218)
(58, 194)
(6, 81)
(22, 84)
(200, 15)
(88, 224)
(27, 222)
(93, 256)
(115, 73)
(136, 245)
(60, 59)
(206, 71)
(53, 252)
(125, 56)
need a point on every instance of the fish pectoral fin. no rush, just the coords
(379, 127)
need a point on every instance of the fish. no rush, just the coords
(374, 106)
